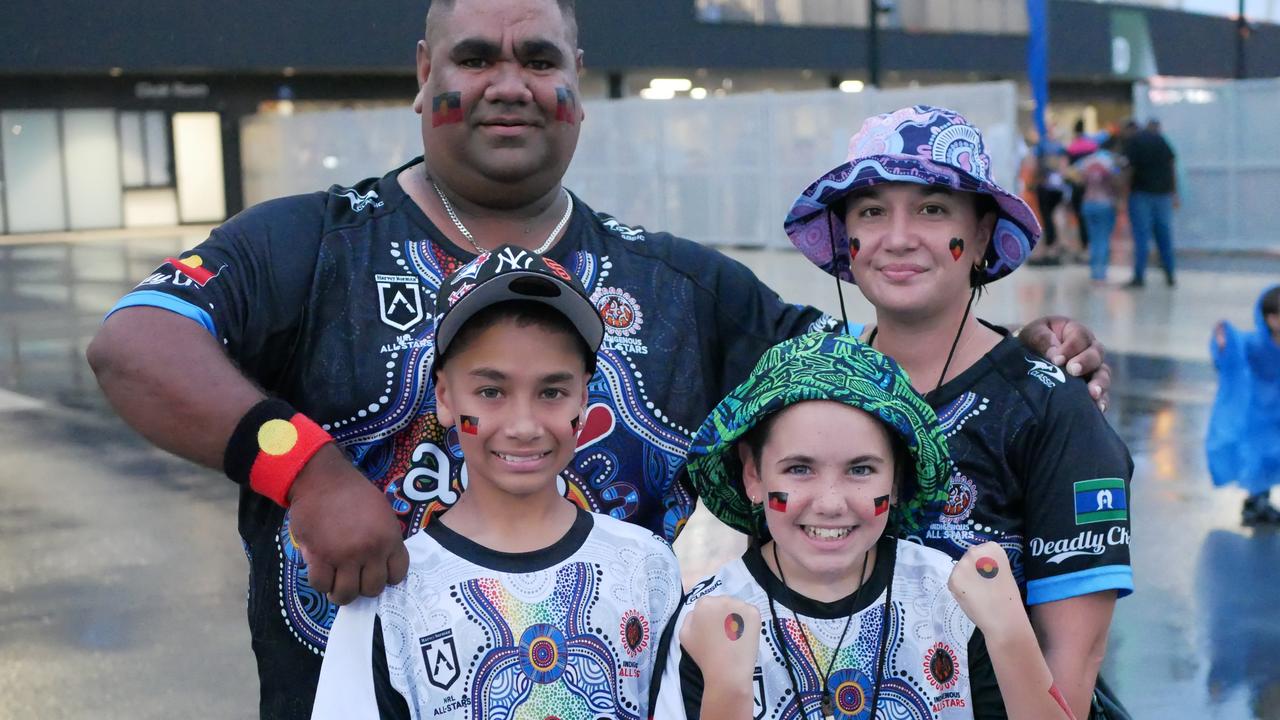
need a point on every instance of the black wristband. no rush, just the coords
(242, 448)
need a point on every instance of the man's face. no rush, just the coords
(499, 96)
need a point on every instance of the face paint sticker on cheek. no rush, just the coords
(957, 248)
(576, 423)
(854, 246)
(778, 501)
(882, 505)
(566, 106)
(734, 626)
(446, 108)
(470, 424)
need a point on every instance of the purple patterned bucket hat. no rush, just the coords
(924, 145)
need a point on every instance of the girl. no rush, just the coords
(821, 456)
(914, 219)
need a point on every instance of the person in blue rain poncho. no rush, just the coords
(1243, 443)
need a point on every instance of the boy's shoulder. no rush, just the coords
(618, 533)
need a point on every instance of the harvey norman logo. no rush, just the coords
(1085, 543)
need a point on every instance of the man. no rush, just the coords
(1153, 196)
(318, 300)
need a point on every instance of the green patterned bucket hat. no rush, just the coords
(819, 366)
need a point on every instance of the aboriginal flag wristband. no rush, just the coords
(269, 447)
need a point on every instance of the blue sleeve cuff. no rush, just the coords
(1061, 587)
(164, 301)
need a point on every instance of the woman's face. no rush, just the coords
(834, 468)
(912, 246)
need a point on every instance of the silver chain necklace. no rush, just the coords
(555, 232)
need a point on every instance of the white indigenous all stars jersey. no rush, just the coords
(566, 632)
(927, 663)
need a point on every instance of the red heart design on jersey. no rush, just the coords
(599, 422)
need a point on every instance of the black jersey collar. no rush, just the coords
(524, 562)
(886, 558)
(391, 192)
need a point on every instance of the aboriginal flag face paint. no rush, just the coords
(576, 422)
(566, 106)
(957, 248)
(854, 246)
(470, 424)
(734, 626)
(446, 108)
(987, 567)
(193, 268)
(778, 501)
(882, 505)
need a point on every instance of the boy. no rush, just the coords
(517, 602)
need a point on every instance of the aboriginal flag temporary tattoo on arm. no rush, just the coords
(778, 501)
(734, 626)
(987, 567)
(882, 505)
(446, 108)
(566, 106)
(470, 424)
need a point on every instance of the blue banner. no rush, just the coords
(1038, 61)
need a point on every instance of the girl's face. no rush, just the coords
(912, 246)
(826, 478)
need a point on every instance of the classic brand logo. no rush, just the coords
(360, 202)
(1046, 372)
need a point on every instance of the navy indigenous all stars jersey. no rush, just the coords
(323, 300)
(564, 632)
(1037, 470)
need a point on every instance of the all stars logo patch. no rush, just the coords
(940, 666)
(635, 632)
(622, 320)
(399, 300)
(441, 657)
(961, 497)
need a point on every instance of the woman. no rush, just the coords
(915, 221)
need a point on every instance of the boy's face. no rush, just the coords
(1273, 324)
(835, 464)
(515, 394)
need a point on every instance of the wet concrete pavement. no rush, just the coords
(122, 581)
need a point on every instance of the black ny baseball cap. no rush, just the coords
(508, 273)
